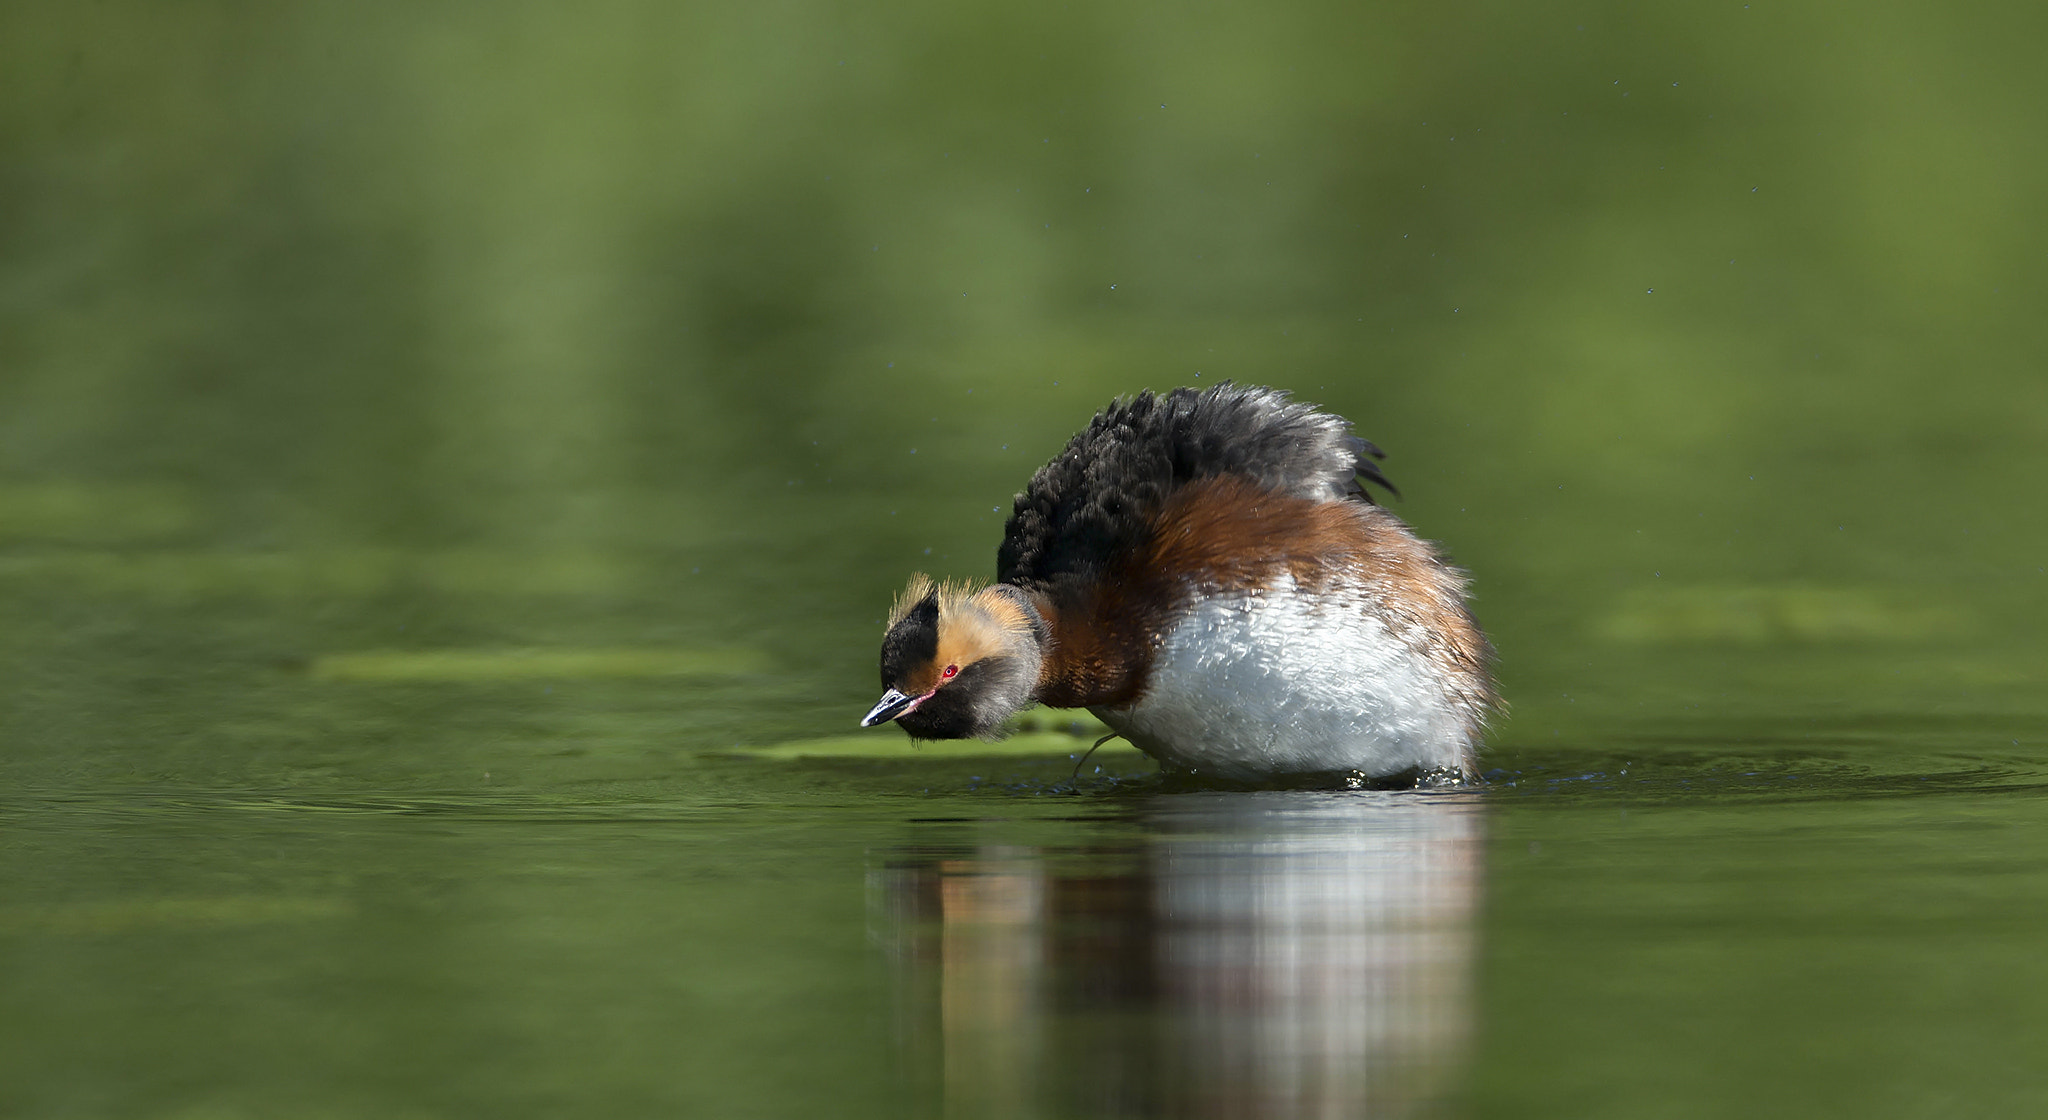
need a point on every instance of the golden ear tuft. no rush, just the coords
(1002, 609)
(921, 587)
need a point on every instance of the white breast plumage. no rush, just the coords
(1281, 680)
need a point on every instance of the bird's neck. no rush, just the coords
(1087, 659)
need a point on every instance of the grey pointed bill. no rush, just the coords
(892, 704)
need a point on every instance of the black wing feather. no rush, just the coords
(1096, 497)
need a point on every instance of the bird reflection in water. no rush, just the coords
(1236, 955)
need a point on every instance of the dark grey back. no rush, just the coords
(1095, 499)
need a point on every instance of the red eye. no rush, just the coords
(948, 674)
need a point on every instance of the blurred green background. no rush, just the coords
(665, 339)
(705, 307)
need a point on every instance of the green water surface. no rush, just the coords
(455, 461)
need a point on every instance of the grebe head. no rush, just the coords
(957, 661)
